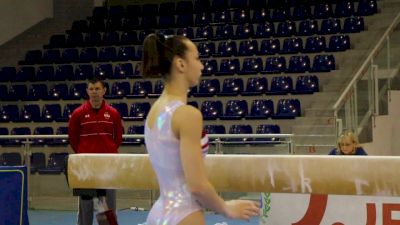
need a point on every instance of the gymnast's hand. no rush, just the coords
(241, 209)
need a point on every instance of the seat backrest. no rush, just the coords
(122, 108)
(211, 109)
(29, 113)
(11, 159)
(237, 108)
(262, 108)
(51, 112)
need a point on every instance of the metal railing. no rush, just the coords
(361, 100)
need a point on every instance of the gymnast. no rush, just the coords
(175, 141)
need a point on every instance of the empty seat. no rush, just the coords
(3, 92)
(367, 7)
(270, 47)
(268, 129)
(107, 54)
(261, 109)
(231, 87)
(76, 39)
(206, 49)
(58, 91)
(141, 89)
(315, 44)
(207, 88)
(30, 113)
(69, 55)
(330, 26)
(3, 132)
(123, 70)
(138, 111)
(248, 48)
(219, 5)
(104, 71)
(286, 29)
(222, 17)
(117, 11)
(224, 32)
(67, 112)
(239, 129)
(10, 159)
(339, 43)
(306, 85)
(9, 113)
(122, 108)
(166, 21)
(301, 12)
(119, 90)
(183, 7)
(60, 141)
(51, 112)
(96, 24)
(149, 22)
(204, 33)
(24, 74)
(150, 9)
(18, 131)
(129, 37)
(298, 64)
(186, 32)
(281, 85)
(38, 161)
(126, 53)
(110, 38)
(241, 16)
(275, 65)
(158, 89)
(202, 6)
(93, 38)
(287, 109)
(281, 14)
(134, 129)
(55, 164)
(17, 92)
(307, 28)
(32, 57)
(344, 9)
(227, 48)
(210, 67)
(7, 73)
(323, 63)
(202, 19)
(292, 45)
(252, 66)
(42, 131)
(88, 55)
(229, 67)
(353, 25)
(63, 73)
(260, 15)
(323, 11)
(77, 91)
(211, 110)
(256, 86)
(112, 25)
(37, 92)
(244, 31)
(235, 110)
(214, 129)
(44, 73)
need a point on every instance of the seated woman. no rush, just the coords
(348, 145)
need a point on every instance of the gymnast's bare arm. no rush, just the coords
(187, 125)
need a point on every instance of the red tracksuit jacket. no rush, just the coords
(95, 131)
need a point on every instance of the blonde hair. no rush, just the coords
(353, 137)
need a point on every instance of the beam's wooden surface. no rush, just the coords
(349, 175)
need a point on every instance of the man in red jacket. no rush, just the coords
(95, 127)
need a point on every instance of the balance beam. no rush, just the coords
(349, 175)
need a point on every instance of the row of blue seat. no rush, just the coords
(216, 32)
(36, 131)
(313, 44)
(301, 9)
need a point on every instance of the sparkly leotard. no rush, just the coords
(175, 201)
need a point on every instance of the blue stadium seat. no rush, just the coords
(306, 85)
(241, 16)
(99, 12)
(344, 9)
(122, 108)
(281, 14)
(248, 48)
(192, 91)
(260, 15)
(141, 89)
(184, 20)
(123, 70)
(261, 109)
(131, 24)
(83, 72)
(18, 131)
(42, 131)
(206, 49)
(9, 113)
(255, 86)
(92, 39)
(56, 41)
(301, 12)
(270, 47)
(51, 112)
(186, 32)
(119, 90)
(58, 91)
(224, 32)
(202, 19)
(63, 73)
(150, 9)
(287, 109)
(339, 43)
(353, 25)
(98, 25)
(44, 73)
(104, 71)
(214, 129)
(292, 45)
(37, 92)
(7, 73)
(129, 37)
(229, 67)
(252, 66)
(208, 88)
(268, 129)
(265, 30)
(239, 4)
(308, 28)
(55, 164)
(204, 33)
(211, 110)
(298, 64)
(32, 57)
(110, 38)
(202, 6)
(24, 74)
(149, 22)
(60, 141)
(210, 67)
(235, 110)
(88, 55)
(257, 4)
(226, 49)
(76, 39)
(286, 29)
(17, 92)
(158, 89)
(166, 21)
(315, 44)
(323, 11)
(116, 11)
(29, 113)
(281, 85)
(10, 159)
(3, 92)
(275, 65)
(38, 161)
(219, 5)
(244, 31)
(68, 110)
(114, 24)
(367, 7)
(323, 63)
(133, 11)
(330, 26)
(138, 111)
(240, 129)
(69, 55)
(134, 129)
(184, 7)
(231, 87)
(107, 54)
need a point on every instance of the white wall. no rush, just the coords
(16, 16)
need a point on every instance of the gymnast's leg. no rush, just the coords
(85, 211)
